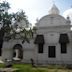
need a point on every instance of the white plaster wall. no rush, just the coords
(63, 58)
(51, 20)
(7, 51)
(11, 43)
(58, 29)
(66, 56)
(51, 37)
(29, 45)
(7, 54)
(27, 55)
(28, 49)
(31, 50)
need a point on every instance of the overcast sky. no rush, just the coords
(37, 8)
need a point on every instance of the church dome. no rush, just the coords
(54, 10)
(51, 20)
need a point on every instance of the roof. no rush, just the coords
(39, 39)
(54, 10)
(52, 20)
(64, 38)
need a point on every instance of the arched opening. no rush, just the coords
(17, 52)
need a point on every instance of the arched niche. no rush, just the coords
(17, 52)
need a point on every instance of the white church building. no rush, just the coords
(52, 43)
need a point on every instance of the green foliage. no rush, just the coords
(56, 66)
(2, 65)
(20, 15)
(29, 68)
(3, 11)
(7, 20)
(4, 5)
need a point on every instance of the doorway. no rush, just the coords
(51, 51)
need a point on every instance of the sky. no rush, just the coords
(35, 9)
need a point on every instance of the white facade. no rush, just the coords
(51, 27)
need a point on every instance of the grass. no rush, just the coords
(29, 68)
(2, 65)
(49, 68)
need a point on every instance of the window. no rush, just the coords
(63, 48)
(40, 48)
(51, 52)
(64, 38)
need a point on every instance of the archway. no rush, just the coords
(17, 52)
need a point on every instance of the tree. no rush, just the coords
(9, 24)
(4, 21)
(21, 31)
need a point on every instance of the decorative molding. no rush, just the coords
(59, 26)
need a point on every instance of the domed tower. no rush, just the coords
(53, 19)
(54, 10)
